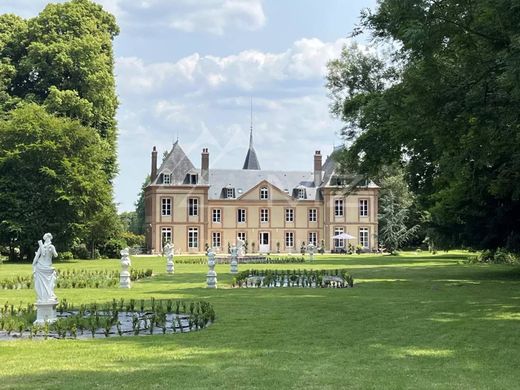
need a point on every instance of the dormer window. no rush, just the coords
(264, 193)
(192, 178)
(230, 193)
(301, 193)
(338, 181)
(166, 178)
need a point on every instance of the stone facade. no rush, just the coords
(271, 210)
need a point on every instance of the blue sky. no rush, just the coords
(187, 69)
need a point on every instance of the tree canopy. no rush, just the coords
(57, 126)
(443, 104)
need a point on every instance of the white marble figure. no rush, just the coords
(124, 276)
(211, 277)
(311, 248)
(241, 247)
(234, 260)
(44, 274)
(168, 252)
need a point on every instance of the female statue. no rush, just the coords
(44, 274)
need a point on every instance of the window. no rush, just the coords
(301, 193)
(166, 179)
(230, 193)
(216, 213)
(166, 235)
(264, 215)
(264, 193)
(313, 215)
(193, 207)
(193, 237)
(338, 207)
(363, 207)
(313, 238)
(289, 239)
(166, 206)
(241, 215)
(215, 240)
(289, 215)
(193, 179)
(339, 243)
(363, 237)
(242, 236)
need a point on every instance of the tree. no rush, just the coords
(444, 108)
(52, 178)
(139, 227)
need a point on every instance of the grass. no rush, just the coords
(411, 322)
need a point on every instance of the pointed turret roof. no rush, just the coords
(251, 161)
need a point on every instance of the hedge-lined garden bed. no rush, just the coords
(338, 278)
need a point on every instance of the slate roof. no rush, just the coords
(176, 163)
(251, 161)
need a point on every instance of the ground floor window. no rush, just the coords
(313, 238)
(338, 242)
(363, 237)
(289, 239)
(242, 236)
(193, 237)
(216, 241)
(166, 235)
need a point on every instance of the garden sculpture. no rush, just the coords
(124, 276)
(211, 277)
(45, 280)
(234, 260)
(168, 252)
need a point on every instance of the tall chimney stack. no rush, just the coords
(153, 172)
(204, 165)
(317, 168)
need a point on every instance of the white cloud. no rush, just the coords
(248, 70)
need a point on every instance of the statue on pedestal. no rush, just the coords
(311, 248)
(234, 260)
(44, 274)
(124, 276)
(241, 246)
(211, 277)
(168, 252)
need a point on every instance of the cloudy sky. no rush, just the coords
(187, 69)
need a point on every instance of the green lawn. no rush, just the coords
(410, 322)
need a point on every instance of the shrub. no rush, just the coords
(65, 256)
(133, 240)
(112, 248)
(80, 251)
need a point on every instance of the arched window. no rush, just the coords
(264, 193)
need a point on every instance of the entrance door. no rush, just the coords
(264, 245)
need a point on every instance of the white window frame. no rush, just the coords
(241, 215)
(216, 240)
(339, 207)
(264, 215)
(364, 237)
(363, 207)
(193, 237)
(166, 178)
(242, 236)
(302, 194)
(216, 215)
(230, 193)
(289, 215)
(166, 207)
(313, 215)
(193, 207)
(289, 239)
(339, 242)
(264, 193)
(166, 235)
(313, 238)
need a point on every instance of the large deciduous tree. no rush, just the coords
(444, 104)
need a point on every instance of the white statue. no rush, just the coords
(211, 277)
(311, 249)
(124, 276)
(241, 246)
(234, 260)
(168, 252)
(44, 274)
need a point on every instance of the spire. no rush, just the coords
(251, 161)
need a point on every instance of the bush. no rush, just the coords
(500, 256)
(65, 256)
(80, 251)
(133, 240)
(112, 248)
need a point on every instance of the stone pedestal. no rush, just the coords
(124, 279)
(170, 266)
(234, 260)
(211, 277)
(45, 312)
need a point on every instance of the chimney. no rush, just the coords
(317, 168)
(204, 165)
(153, 173)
